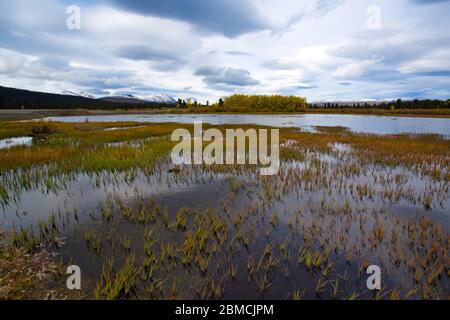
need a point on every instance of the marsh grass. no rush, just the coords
(29, 269)
(117, 284)
(318, 223)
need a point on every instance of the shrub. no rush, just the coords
(42, 129)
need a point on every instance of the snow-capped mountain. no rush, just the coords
(130, 98)
(77, 93)
(124, 98)
(160, 98)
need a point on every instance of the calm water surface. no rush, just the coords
(18, 141)
(316, 197)
(356, 123)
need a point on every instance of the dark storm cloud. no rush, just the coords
(228, 17)
(226, 76)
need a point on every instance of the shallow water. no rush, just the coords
(317, 200)
(84, 193)
(18, 141)
(122, 128)
(356, 123)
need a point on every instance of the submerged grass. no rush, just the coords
(327, 215)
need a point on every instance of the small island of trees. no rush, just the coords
(241, 103)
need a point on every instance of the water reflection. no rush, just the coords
(356, 123)
(18, 141)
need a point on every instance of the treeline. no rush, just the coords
(241, 103)
(388, 105)
(11, 98)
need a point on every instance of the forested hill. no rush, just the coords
(11, 98)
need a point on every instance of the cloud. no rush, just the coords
(49, 68)
(301, 86)
(142, 52)
(162, 60)
(315, 48)
(292, 21)
(238, 53)
(296, 89)
(429, 2)
(353, 69)
(226, 76)
(228, 17)
(10, 62)
(98, 92)
(388, 49)
(325, 6)
(278, 64)
(437, 73)
(392, 58)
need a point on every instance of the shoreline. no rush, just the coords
(32, 114)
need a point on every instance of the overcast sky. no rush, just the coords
(320, 49)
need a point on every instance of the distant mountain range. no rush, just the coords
(125, 98)
(129, 98)
(348, 102)
(11, 98)
(161, 98)
(77, 94)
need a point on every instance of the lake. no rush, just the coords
(339, 202)
(356, 123)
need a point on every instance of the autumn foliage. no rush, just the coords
(261, 103)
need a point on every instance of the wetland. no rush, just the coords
(103, 194)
